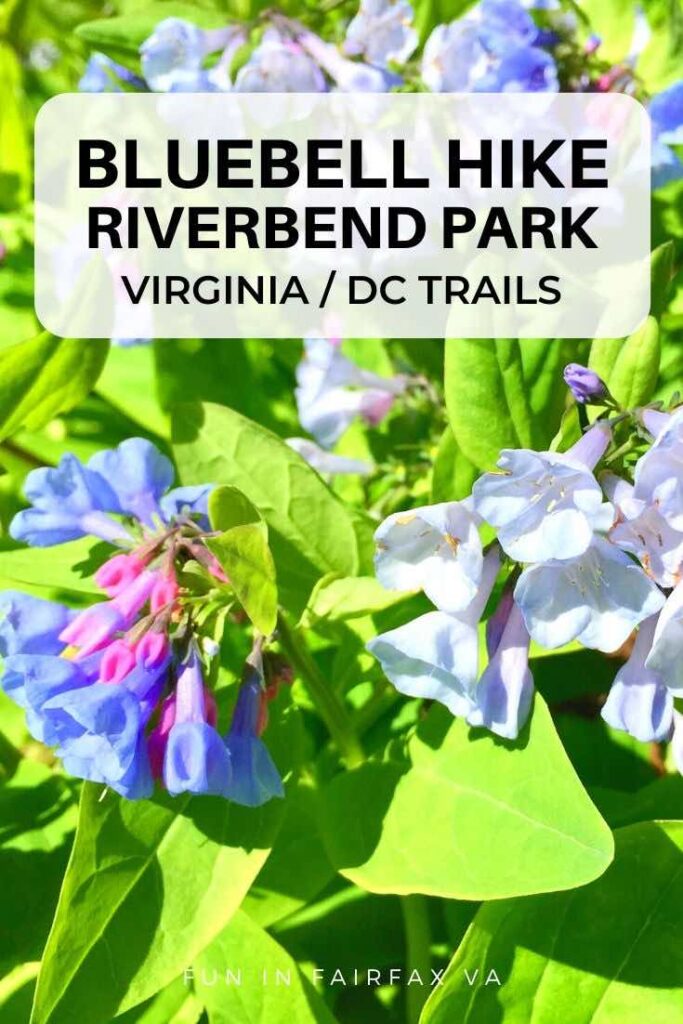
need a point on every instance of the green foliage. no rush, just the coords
(472, 786)
(603, 953)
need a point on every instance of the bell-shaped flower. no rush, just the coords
(255, 779)
(280, 64)
(326, 463)
(503, 695)
(642, 529)
(546, 505)
(665, 656)
(191, 501)
(172, 57)
(585, 384)
(30, 625)
(348, 75)
(435, 548)
(666, 115)
(597, 598)
(99, 734)
(436, 656)
(102, 74)
(659, 472)
(527, 69)
(69, 501)
(139, 475)
(332, 391)
(454, 58)
(382, 32)
(32, 679)
(639, 703)
(196, 758)
(94, 627)
(142, 670)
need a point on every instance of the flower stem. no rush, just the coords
(418, 957)
(332, 710)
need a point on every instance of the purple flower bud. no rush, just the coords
(585, 385)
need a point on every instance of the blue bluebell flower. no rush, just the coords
(666, 113)
(99, 734)
(32, 679)
(139, 475)
(197, 759)
(255, 779)
(504, 26)
(104, 75)
(280, 64)
(30, 625)
(527, 69)
(187, 501)
(69, 501)
(585, 384)
(502, 697)
(641, 529)
(665, 653)
(659, 472)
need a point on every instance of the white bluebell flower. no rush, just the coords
(280, 64)
(436, 656)
(347, 75)
(503, 695)
(435, 548)
(172, 57)
(639, 703)
(546, 505)
(641, 529)
(327, 463)
(597, 598)
(382, 32)
(454, 58)
(659, 473)
(665, 655)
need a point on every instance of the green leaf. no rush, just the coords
(128, 383)
(258, 997)
(229, 507)
(64, 571)
(244, 554)
(629, 367)
(602, 954)
(45, 376)
(661, 276)
(452, 474)
(15, 152)
(424, 822)
(121, 37)
(505, 393)
(149, 885)
(311, 532)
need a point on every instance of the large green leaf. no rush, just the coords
(311, 532)
(45, 376)
(149, 885)
(245, 557)
(64, 571)
(466, 815)
(258, 997)
(609, 953)
(505, 393)
(629, 366)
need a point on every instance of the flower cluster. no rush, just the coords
(118, 689)
(496, 46)
(585, 558)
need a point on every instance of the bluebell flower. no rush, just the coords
(98, 624)
(99, 735)
(32, 679)
(527, 69)
(326, 463)
(641, 529)
(504, 25)
(435, 548)
(280, 64)
(382, 32)
(597, 598)
(639, 703)
(436, 656)
(74, 500)
(665, 653)
(30, 625)
(197, 759)
(659, 472)
(502, 698)
(69, 501)
(104, 75)
(546, 505)
(172, 57)
(255, 779)
(585, 384)
(454, 58)
(666, 113)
